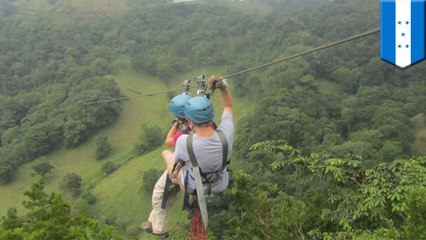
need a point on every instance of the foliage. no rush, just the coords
(149, 179)
(109, 167)
(265, 211)
(103, 147)
(72, 184)
(50, 217)
(43, 168)
(416, 212)
(89, 197)
(46, 76)
(333, 198)
(150, 139)
(84, 120)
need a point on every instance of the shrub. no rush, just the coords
(150, 177)
(150, 139)
(109, 167)
(42, 168)
(103, 148)
(72, 184)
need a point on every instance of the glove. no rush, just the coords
(215, 82)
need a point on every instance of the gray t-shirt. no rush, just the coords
(208, 152)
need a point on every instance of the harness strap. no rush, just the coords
(166, 192)
(198, 182)
(186, 204)
(225, 159)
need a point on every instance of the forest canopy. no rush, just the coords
(48, 70)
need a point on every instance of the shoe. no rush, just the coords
(147, 226)
(162, 235)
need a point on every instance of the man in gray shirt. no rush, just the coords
(207, 145)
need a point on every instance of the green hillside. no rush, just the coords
(122, 135)
(121, 188)
(325, 144)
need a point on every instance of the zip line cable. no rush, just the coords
(373, 31)
(126, 98)
(305, 52)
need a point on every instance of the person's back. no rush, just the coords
(208, 151)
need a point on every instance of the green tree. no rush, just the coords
(149, 178)
(89, 197)
(348, 77)
(150, 139)
(265, 211)
(72, 184)
(103, 147)
(83, 121)
(6, 172)
(42, 168)
(353, 202)
(50, 217)
(390, 151)
(109, 167)
(8, 8)
(415, 227)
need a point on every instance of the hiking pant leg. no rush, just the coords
(168, 158)
(174, 169)
(160, 217)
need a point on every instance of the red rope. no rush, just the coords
(198, 231)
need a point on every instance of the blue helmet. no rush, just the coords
(177, 105)
(199, 110)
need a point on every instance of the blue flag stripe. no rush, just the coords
(387, 31)
(417, 31)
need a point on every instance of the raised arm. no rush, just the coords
(170, 135)
(226, 99)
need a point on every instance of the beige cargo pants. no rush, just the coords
(160, 217)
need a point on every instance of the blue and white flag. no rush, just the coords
(403, 31)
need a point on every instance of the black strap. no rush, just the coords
(186, 204)
(191, 151)
(222, 137)
(166, 192)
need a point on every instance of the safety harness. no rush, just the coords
(204, 180)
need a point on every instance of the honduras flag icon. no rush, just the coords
(402, 31)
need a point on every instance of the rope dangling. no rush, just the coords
(198, 231)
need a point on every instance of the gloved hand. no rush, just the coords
(215, 82)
